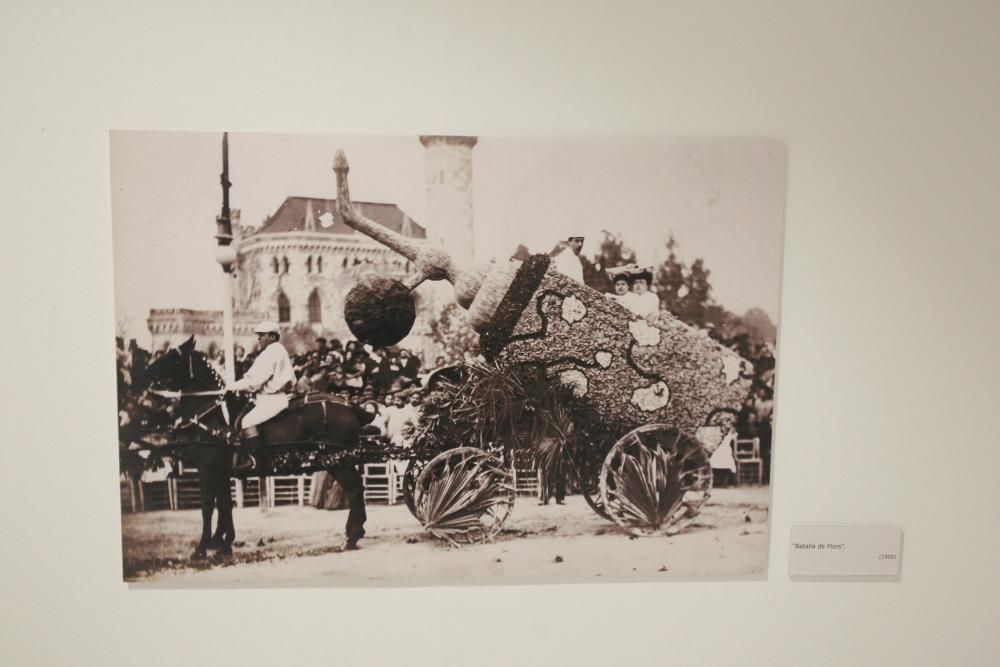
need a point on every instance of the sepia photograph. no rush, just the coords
(444, 360)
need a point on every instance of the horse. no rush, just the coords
(204, 422)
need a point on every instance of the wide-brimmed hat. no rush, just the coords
(630, 272)
(626, 271)
(644, 273)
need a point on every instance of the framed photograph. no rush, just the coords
(434, 360)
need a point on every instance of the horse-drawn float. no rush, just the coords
(635, 406)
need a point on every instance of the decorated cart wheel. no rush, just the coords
(655, 479)
(413, 470)
(464, 495)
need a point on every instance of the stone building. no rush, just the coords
(171, 326)
(296, 269)
(299, 265)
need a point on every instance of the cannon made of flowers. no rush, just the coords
(671, 390)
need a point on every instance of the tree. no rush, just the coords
(669, 279)
(759, 326)
(694, 304)
(687, 291)
(723, 323)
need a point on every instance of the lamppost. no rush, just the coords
(225, 255)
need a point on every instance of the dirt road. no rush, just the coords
(541, 544)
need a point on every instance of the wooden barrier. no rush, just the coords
(527, 482)
(380, 482)
(289, 490)
(183, 493)
(527, 477)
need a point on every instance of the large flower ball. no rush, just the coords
(380, 311)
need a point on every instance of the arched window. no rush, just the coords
(315, 311)
(309, 264)
(274, 264)
(319, 265)
(284, 264)
(344, 264)
(284, 308)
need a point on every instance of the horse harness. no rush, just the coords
(183, 422)
(296, 402)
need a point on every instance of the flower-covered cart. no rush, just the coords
(637, 406)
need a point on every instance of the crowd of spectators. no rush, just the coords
(388, 382)
(756, 416)
(384, 381)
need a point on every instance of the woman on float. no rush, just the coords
(644, 303)
(622, 284)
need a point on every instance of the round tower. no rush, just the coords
(449, 193)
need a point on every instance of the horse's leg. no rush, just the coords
(350, 480)
(207, 492)
(224, 533)
(224, 502)
(219, 536)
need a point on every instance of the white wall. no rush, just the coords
(887, 396)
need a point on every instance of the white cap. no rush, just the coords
(267, 326)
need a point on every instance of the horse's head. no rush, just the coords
(187, 372)
(182, 368)
(169, 370)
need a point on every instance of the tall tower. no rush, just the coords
(449, 193)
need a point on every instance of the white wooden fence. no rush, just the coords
(383, 484)
(182, 493)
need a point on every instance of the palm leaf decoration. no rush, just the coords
(655, 479)
(647, 487)
(504, 408)
(464, 495)
(510, 407)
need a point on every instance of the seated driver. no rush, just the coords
(271, 377)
